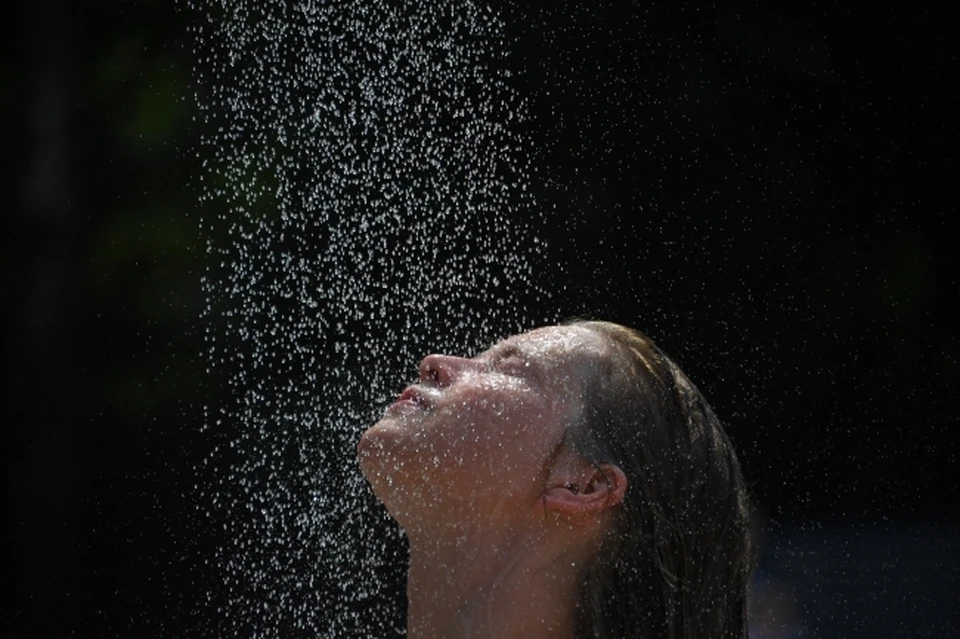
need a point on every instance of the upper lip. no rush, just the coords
(413, 393)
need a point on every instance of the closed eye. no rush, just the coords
(511, 365)
(510, 360)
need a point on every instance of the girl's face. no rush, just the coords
(476, 437)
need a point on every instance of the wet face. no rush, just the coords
(478, 435)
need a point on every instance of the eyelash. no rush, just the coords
(513, 364)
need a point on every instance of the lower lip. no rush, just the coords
(405, 403)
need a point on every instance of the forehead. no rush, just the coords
(558, 345)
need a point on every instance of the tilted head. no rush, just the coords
(590, 426)
(476, 441)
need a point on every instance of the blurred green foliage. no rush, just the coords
(144, 253)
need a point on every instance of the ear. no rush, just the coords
(591, 491)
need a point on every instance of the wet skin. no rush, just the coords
(484, 426)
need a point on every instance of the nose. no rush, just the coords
(443, 370)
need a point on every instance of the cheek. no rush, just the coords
(504, 440)
(493, 418)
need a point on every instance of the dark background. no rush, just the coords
(768, 191)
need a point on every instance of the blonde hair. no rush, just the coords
(680, 554)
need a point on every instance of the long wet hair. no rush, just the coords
(678, 557)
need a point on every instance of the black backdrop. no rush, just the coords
(767, 191)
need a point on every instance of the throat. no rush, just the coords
(502, 591)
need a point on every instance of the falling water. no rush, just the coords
(365, 201)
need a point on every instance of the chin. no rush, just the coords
(371, 446)
(393, 465)
(379, 466)
(378, 451)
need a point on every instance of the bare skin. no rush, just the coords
(501, 516)
(490, 588)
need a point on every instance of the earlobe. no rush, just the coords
(601, 488)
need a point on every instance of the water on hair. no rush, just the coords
(365, 200)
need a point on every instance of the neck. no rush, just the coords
(484, 586)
